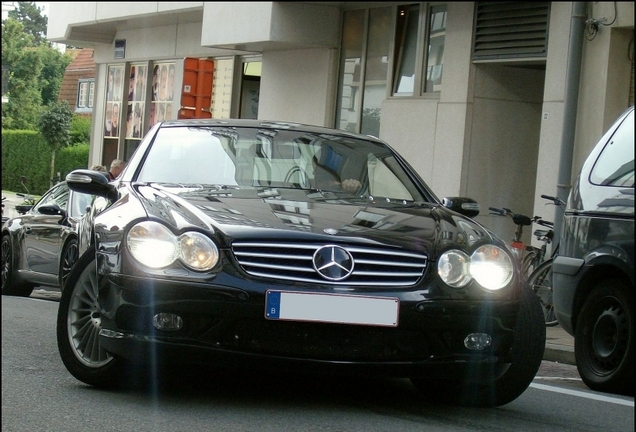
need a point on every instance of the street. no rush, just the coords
(38, 394)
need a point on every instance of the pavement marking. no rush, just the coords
(598, 397)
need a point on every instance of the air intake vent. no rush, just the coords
(511, 31)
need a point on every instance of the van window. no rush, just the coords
(615, 164)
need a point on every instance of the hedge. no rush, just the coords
(26, 153)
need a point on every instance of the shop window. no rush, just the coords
(114, 96)
(163, 75)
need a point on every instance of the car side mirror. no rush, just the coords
(91, 182)
(23, 208)
(462, 205)
(52, 210)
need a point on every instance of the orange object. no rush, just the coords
(196, 92)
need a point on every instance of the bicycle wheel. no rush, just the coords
(541, 283)
(530, 262)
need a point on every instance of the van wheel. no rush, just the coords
(604, 338)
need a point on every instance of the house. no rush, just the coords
(78, 84)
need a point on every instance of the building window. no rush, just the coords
(364, 67)
(85, 93)
(435, 52)
(388, 51)
(406, 49)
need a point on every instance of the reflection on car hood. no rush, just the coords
(233, 213)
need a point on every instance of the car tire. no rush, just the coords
(604, 338)
(9, 284)
(78, 327)
(526, 355)
(67, 260)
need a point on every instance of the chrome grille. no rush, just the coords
(293, 261)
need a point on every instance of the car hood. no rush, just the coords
(272, 214)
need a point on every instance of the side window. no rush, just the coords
(79, 203)
(615, 164)
(58, 196)
(384, 183)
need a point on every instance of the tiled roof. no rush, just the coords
(83, 60)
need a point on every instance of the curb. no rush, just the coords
(559, 353)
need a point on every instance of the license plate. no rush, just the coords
(332, 308)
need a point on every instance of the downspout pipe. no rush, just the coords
(572, 81)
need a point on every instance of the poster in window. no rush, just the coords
(136, 101)
(114, 93)
(163, 76)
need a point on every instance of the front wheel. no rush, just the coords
(604, 338)
(78, 327)
(541, 283)
(526, 355)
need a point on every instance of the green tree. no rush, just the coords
(23, 66)
(32, 75)
(33, 21)
(50, 82)
(55, 126)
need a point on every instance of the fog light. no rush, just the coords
(167, 322)
(477, 341)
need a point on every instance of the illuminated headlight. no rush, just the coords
(155, 246)
(489, 265)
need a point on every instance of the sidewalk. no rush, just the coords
(559, 346)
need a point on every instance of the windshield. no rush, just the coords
(257, 158)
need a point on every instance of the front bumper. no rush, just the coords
(228, 325)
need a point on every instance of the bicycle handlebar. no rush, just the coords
(555, 200)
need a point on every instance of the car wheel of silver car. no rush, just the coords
(526, 355)
(9, 285)
(68, 260)
(78, 327)
(604, 338)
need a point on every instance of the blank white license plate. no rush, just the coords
(332, 308)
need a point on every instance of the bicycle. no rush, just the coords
(540, 279)
(518, 247)
(29, 200)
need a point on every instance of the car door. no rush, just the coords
(44, 233)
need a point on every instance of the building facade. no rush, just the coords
(497, 101)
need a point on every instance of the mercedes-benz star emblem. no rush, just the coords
(333, 263)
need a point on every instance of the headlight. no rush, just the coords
(152, 244)
(452, 267)
(197, 251)
(155, 246)
(489, 265)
